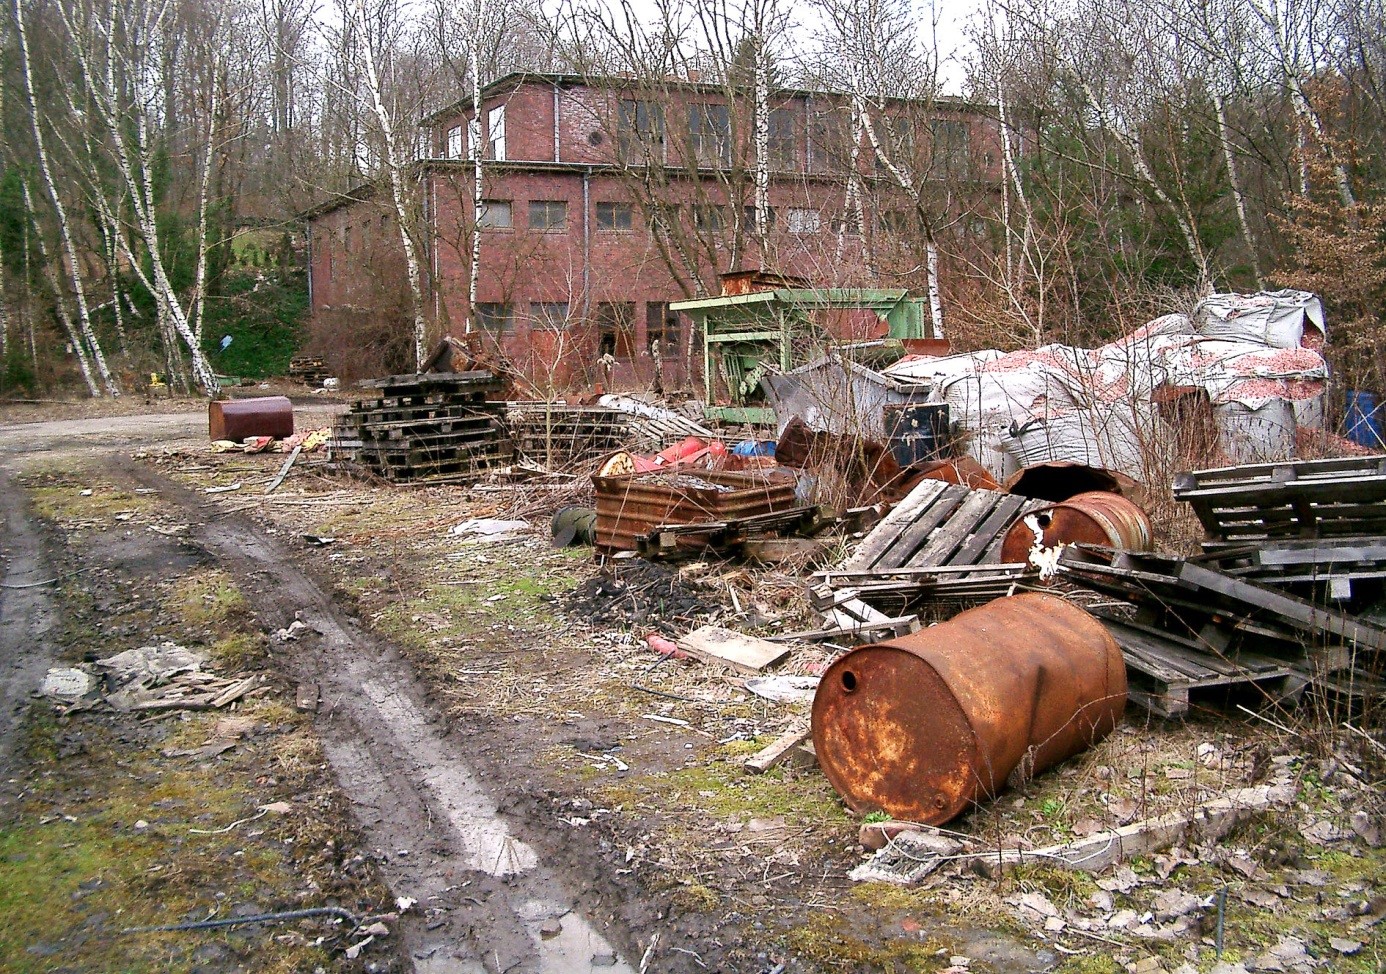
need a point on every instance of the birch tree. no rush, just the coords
(65, 233)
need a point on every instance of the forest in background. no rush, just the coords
(157, 154)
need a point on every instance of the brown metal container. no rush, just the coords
(237, 419)
(1097, 517)
(924, 726)
(632, 506)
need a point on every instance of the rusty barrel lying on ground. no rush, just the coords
(1096, 517)
(924, 726)
(237, 419)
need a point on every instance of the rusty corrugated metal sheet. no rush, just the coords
(1097, 517)
(632, 506)
(236, 419)
(924, 726)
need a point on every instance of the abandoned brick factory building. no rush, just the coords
(606, 199)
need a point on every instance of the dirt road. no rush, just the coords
(487, 898)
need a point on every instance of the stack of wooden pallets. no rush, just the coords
(424, 429)
(308, 369)
(555, 434)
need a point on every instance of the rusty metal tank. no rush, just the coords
(925, 726)
(1096, 517)
(238, 419)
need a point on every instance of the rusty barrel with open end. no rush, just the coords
(1096, 517)
(923, 726)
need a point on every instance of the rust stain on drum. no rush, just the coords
(924, 726)
(1097, 517)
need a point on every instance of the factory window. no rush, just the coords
(613, 216)
(494, 215)
(548, 214)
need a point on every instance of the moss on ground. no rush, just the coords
(829, 940)
(103, 842)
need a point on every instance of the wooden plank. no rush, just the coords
(749, 654)
(942, 545)
(990, 530)
(775, 752)
(1302, 615)
(903, 548)
(888, 529)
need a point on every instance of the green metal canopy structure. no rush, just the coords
(746, 336)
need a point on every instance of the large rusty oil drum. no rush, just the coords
(924, 726)
(1096, 517)
(239, 419)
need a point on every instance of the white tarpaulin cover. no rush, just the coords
(1254, 355)
(1281, 319)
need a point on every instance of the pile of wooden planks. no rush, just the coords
(424, 429)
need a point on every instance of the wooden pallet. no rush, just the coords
(433, 428)
(941, 524)
(1164, 672)
(1305, 499)
(941, 543)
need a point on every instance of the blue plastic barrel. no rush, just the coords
(1364, 419)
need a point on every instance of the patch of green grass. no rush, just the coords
(829, 940)
(239, 650)
(75, 868)
(64, 503)
(720, 788)
(207, 600)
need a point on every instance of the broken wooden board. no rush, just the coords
(749, 654)
(777, 750)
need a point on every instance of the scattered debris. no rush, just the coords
(910, 856)
(639, 592)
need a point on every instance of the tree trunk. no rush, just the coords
(74, 267)
(59, 305)
(394, 166)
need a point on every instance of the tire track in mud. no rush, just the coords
(28, 614)
(488, 902)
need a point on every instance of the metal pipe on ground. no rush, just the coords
(925, 726)
(1096, 517)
